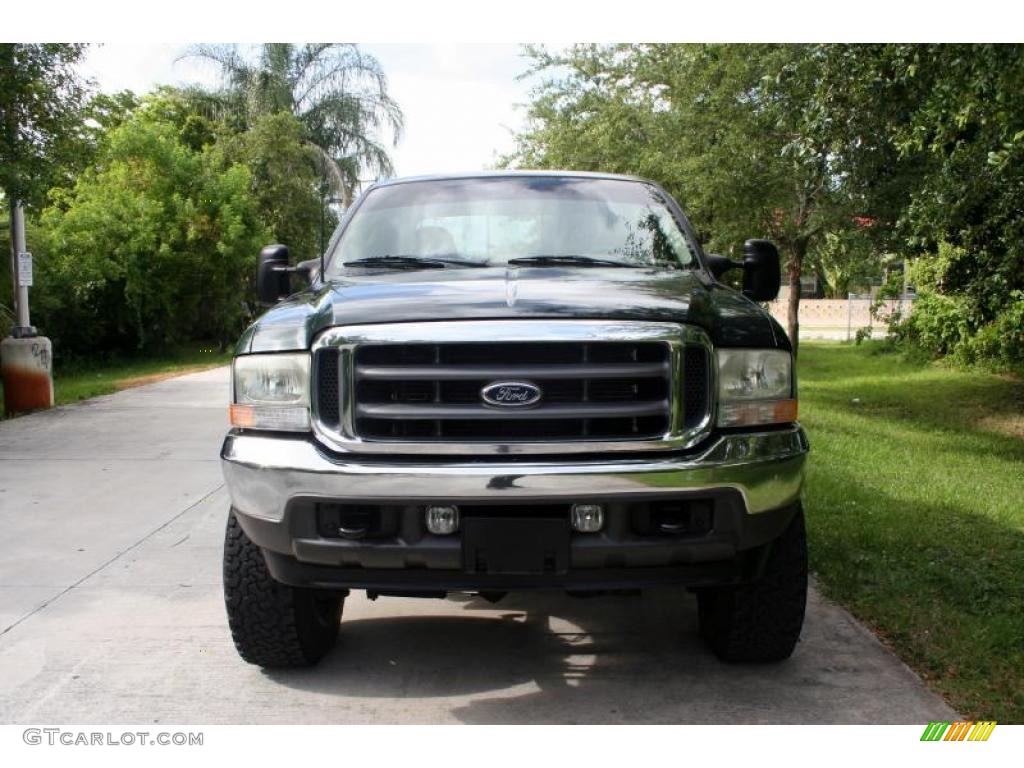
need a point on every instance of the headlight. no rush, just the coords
(755, 386)
(271, 392)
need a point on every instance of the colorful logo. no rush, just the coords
(967, 731)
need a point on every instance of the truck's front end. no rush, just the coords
(515, 382)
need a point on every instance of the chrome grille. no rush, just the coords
(608, 390)
(605, 386)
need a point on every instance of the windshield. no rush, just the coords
(490, 221)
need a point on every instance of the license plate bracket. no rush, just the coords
(515, 545)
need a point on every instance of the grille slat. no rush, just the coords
(492, 372)
(583, 411)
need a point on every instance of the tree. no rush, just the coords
(40, 99)
(845, 260)
(969, 121)
(283, 167)
(337, 92)
(154, 245)
(102, 113)
(41, 96)
(285, 183)
(741, 134)
(942, 166)
(840, 153)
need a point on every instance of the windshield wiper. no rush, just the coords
(413, 262)
(554, 260)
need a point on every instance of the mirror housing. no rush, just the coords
(309, 269)
(762, 273)
(719, 265)
(273, 275)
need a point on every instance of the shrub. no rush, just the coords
(941, 326)
(999, 344)
(937, 325)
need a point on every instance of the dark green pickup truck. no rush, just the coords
(514, 381)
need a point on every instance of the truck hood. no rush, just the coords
(368, 296)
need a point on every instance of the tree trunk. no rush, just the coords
(796, 264)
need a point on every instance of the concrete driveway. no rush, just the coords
(113, 512)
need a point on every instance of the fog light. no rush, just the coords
(442, 521)
(587, 518)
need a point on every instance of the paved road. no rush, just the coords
(110, 611)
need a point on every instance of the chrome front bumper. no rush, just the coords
(265, 472)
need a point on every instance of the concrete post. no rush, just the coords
(26, 359)
(26, 366)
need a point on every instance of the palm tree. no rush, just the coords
(338, 93)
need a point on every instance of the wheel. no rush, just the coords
(273, 625)
(761, 621)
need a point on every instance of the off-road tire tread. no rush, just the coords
(761, 621)
(272, 625)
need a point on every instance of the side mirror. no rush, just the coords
(761, 271)
(273, 275)
(762, 274)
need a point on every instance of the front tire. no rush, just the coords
(761, 622)
(273, 625)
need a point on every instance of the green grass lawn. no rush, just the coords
(915, 510)
(80, 382)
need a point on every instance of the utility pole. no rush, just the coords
(26, 359)
(22, 329)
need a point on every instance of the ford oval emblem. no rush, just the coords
(511, 394)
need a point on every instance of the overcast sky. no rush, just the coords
(460, 101)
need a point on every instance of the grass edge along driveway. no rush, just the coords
(82, 382)
(915, 510)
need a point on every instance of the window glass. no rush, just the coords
(496, 219)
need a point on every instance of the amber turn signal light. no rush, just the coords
(754, 413)
(241, 415)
